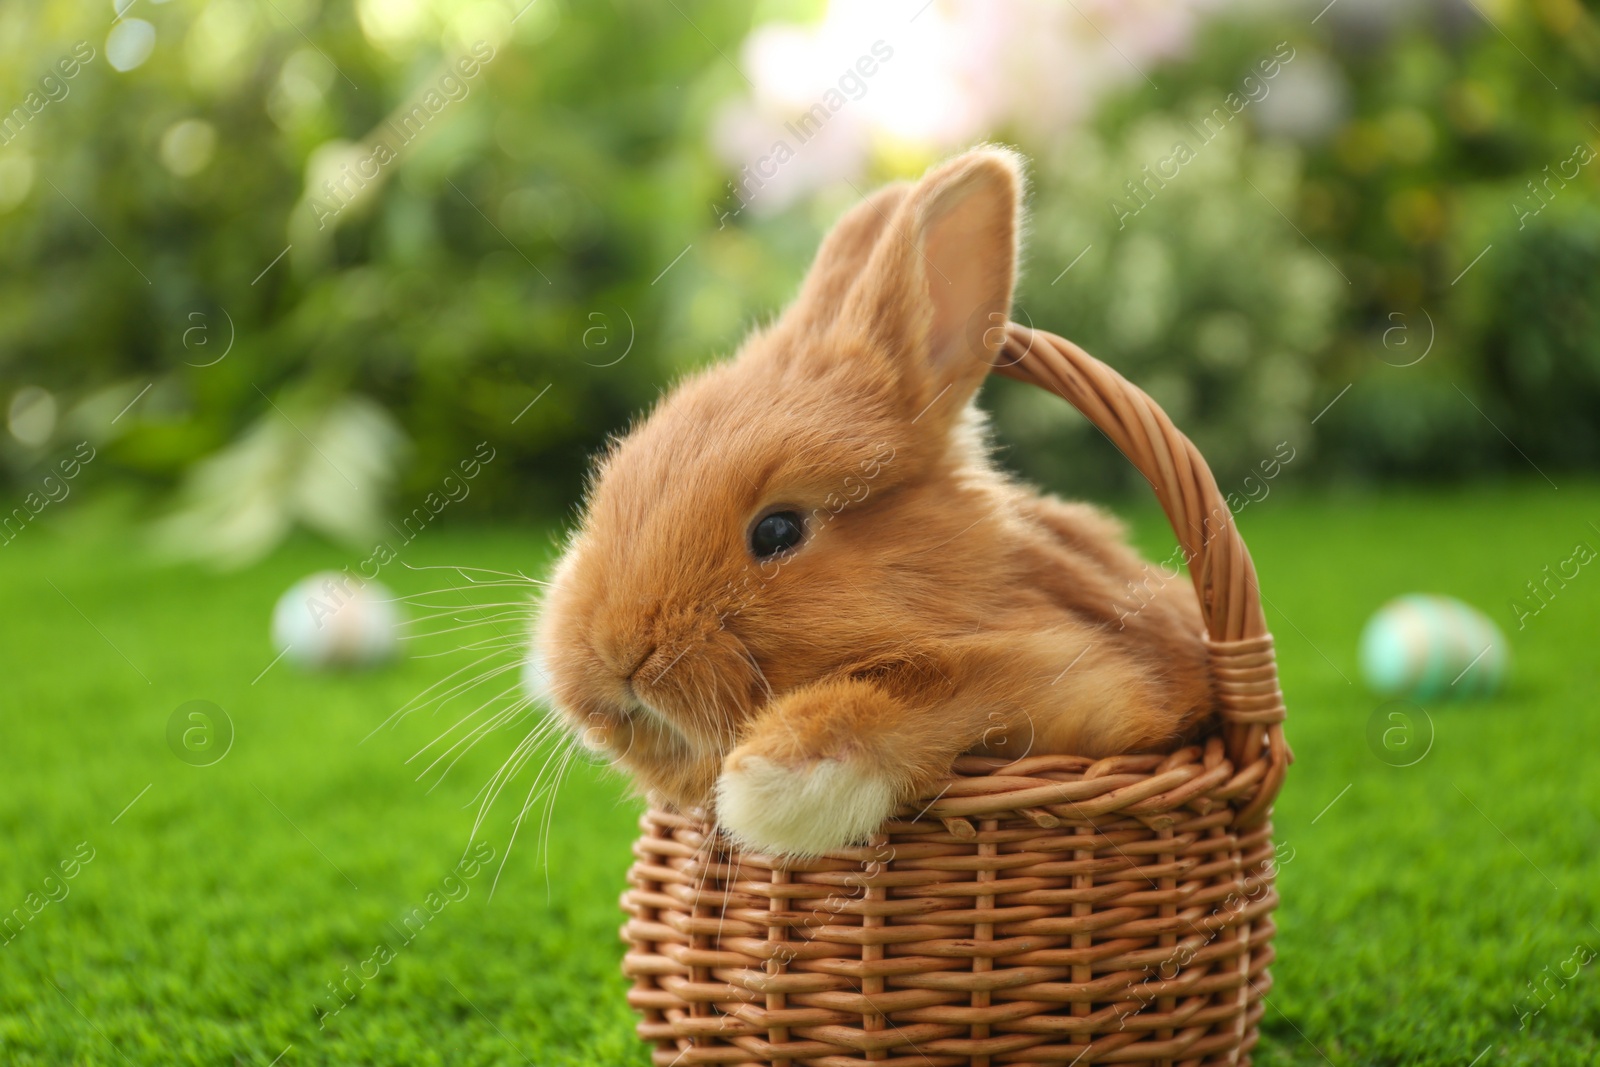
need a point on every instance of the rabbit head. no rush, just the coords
(780, 593)
(681, 605)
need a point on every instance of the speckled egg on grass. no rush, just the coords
(330, 620)
(1426, 647)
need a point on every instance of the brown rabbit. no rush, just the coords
(801, 588)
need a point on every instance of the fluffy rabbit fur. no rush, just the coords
(934, 607)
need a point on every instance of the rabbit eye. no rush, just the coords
(778, 532)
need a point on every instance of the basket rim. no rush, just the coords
(1053, 791)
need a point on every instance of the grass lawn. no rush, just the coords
(217, 909)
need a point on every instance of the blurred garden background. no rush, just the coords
(276, 270)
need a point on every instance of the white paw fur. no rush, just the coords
(800, 811)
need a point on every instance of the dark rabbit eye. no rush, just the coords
(778, 532)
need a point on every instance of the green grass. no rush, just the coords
(1416, 907)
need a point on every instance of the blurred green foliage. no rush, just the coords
(513, 250)
(1199, 293)
(551, 238)
(1398, 144)
(1455, 124)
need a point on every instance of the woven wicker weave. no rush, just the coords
(1050, 910)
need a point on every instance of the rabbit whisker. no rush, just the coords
(466, 624)
(463, 571)
(440, 700)
(504, 693)
(469, 740)
(412, 705)
(498, 643)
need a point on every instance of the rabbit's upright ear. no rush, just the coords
(841, 259)
(935, 293)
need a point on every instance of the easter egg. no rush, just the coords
(333, 620)
(1426, 647)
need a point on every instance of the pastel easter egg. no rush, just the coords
(333, 620)
(1426, 647)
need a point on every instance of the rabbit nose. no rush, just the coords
(638, 665)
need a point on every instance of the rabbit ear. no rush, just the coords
(935, 294)
(842, 257)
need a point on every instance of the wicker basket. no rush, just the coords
(1051, 910)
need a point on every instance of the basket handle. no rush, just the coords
(1242, 660)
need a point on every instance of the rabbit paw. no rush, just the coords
(800, 809)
